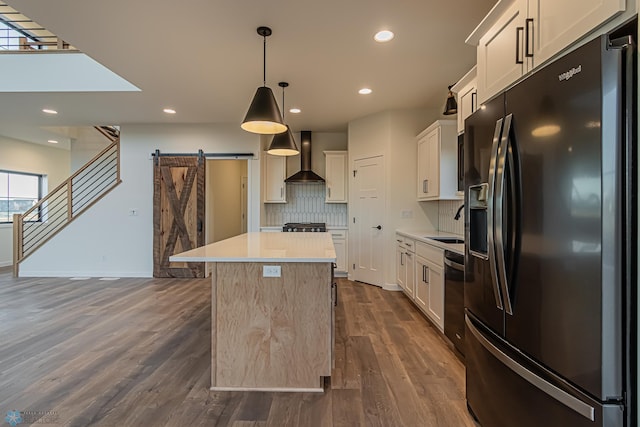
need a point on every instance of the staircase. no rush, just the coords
(19, 33)
(68, 201)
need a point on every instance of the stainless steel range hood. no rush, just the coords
(305, 175)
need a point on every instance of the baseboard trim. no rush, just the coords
(393, 287)
(76, 273)
(270, 389)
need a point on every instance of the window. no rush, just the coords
(18, 192)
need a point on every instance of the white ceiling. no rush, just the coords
(204, 58)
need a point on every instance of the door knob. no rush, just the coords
(379, 227)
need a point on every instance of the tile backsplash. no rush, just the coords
(446, 211)
(305, 203)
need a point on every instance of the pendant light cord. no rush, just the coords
(283, 104)
(264, 61)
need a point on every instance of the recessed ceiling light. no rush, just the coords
(365, 91)
(52, 141)
(295, 110)
(49, 111)
(384, 36)
(169, 111)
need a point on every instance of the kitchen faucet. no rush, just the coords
(457, 217)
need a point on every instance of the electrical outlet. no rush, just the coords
(406, 214)
(271, 271)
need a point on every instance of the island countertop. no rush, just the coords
(265, 247)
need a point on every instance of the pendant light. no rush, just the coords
(264, 116)
(451, 107)
(283, 143)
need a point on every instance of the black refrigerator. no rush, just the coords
(551, 205)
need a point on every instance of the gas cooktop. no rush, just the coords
(305, 227)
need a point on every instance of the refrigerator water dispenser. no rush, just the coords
(478, 220)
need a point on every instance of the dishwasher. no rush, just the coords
(454, 298)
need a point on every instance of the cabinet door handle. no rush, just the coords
(474, 95)
(423, 276)
(401, 258)
(281, 191)
(425, 186)
(329, 190)
(334, 289)
(528, 38)
(519, 32)
(426, 275)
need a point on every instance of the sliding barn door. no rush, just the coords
(178, 214)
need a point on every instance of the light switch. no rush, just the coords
(271, 271)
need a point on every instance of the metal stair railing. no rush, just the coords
(66, 202)
(18, 33)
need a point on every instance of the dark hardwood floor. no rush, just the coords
(135, 352)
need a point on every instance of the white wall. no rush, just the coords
(41, 159)
(106, 241)
(86, 143)
(393, 135)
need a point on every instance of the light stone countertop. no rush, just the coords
(265, 247)
(425, 237)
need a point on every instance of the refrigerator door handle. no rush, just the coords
(558, 394)
(499, 214)
(491, 252)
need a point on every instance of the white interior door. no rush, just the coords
(369, 215)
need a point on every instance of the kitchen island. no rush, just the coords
(271, 310)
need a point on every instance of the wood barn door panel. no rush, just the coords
(178, 214)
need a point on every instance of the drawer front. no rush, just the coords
(338, 234)
(409, 244)
(431, 253)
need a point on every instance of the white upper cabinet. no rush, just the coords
(555, 24)
(274, 174)
(518, 35)
(501, 57)
(336, 176)
(467, 93)
(437, 162)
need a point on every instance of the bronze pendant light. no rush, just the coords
(283, 144)
(451, 107)
(264, 116)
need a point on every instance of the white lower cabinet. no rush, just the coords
(411, 275)
(339, 238)
(435, 309)
(421, 276)
(422, 284)
(431, 260)
(401, 267)
(405, 264)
